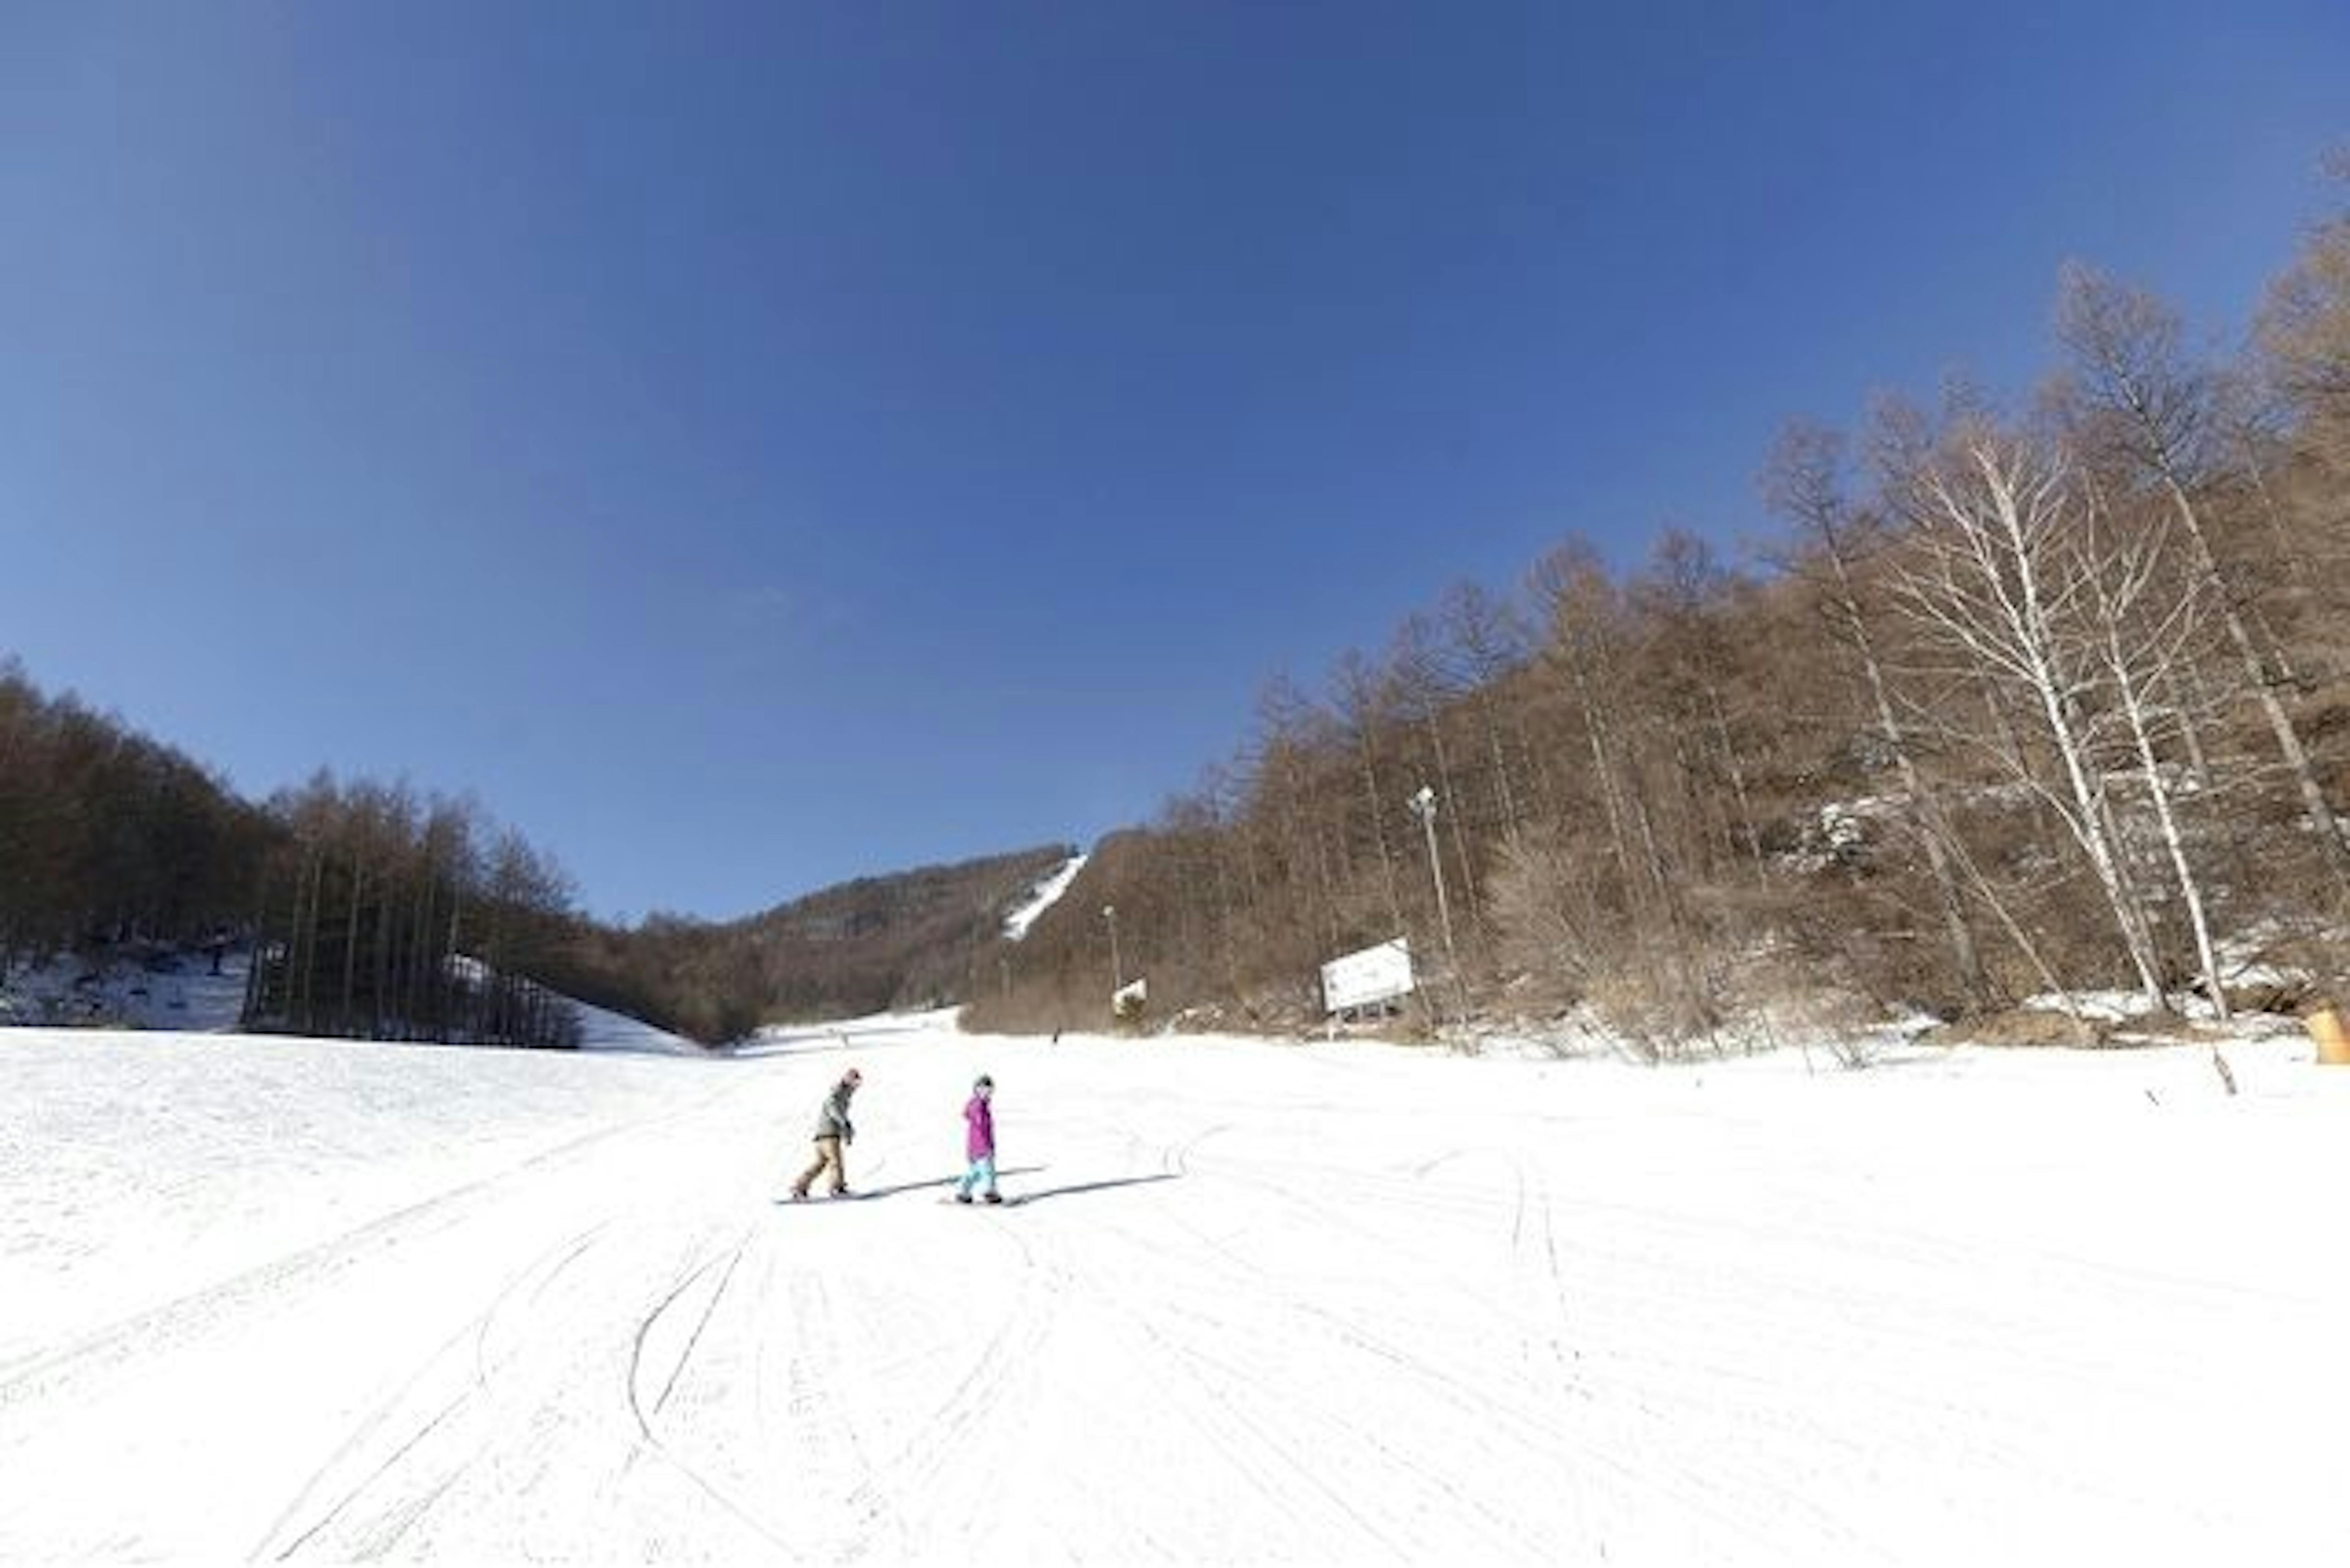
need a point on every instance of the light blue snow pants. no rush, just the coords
(981, 1175)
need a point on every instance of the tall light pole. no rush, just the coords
(1423, 807)
(1116, 970)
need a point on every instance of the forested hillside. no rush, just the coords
(920, 938)
(368, 912)
(106, 834)
(374, 912)
(2021, 698)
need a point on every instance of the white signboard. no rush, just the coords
(1374, 975)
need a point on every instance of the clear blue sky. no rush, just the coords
(751, 446)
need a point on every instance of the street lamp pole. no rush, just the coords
(1423, 807)
(1116, 970)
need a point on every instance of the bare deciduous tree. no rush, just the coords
(2157, 410)
(1362, 700)
(1803, 484)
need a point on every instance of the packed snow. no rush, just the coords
(290, 1298)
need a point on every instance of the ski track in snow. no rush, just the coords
(1256, 1303)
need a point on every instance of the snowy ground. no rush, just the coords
(279, 1299)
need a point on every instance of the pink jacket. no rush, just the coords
(981, 1141)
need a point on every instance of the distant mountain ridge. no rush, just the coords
(946, 908)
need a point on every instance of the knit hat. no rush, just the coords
(982, 1082)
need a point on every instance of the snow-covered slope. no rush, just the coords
(1046, 895)
(299, 1300)
(603, 1030)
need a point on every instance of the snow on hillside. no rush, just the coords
(177, 991)
(1260, 1302)
(1042, 898)
(847, 1034)
(601, 1029)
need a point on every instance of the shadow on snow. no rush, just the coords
(943, 1183)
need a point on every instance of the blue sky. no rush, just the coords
(753, 446)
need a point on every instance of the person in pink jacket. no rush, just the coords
(979, 1143)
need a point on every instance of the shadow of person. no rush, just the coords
(1078, 1189)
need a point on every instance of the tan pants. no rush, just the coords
(827, 1154)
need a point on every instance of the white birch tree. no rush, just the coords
(1993, 579)
(2146, 620)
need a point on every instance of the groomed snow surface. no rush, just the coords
(271, 1299)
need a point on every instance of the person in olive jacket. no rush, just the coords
(834, 1133)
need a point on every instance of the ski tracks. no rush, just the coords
(788, 1378)
(401, 1458)
(989, 1362)
(1405, 1450)
(1519, 1455)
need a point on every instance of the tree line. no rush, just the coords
(376, 912)
(381, 915)
(106, 835)
(926, 938)
(367, 911)
(2049, 698)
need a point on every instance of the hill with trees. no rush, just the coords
(927, 937)
(2047, 699)
(375, 913)
(108, 836)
